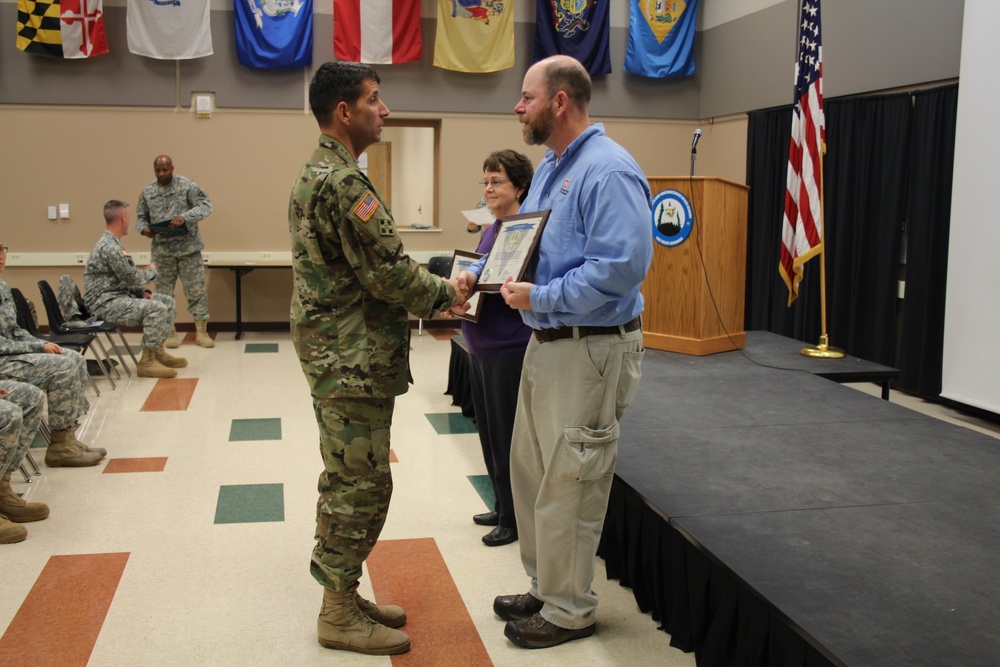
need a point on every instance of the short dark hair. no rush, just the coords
(571, 78)
(113, 209)
(336, 82)
(518, 167)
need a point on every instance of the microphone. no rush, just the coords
(694, 142)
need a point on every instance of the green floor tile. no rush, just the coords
(255, 429)
(250, 503)
(481, 483)
(252, 348)
(447, 423)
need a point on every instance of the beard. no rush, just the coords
(538, 130)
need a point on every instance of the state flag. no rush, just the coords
(661, 38)
(577, 28)
(169, 29)
(474, 35)
(379, 32)
(274, 33)
(61, 28)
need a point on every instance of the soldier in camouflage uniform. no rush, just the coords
(353, 285)
(59, 372)
(20, 414)
(113, 286)
(180, 201)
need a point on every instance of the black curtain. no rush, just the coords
(928, 223)
(766, 307)
(865, 185)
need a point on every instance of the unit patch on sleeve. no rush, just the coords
(386, 228)
(366, 207)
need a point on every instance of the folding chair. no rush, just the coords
(79, 342)
(71, 303)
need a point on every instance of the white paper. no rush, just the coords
(480, 216)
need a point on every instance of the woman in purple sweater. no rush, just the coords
(496, 349)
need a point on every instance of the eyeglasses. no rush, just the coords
(495, 182)
(3, 249)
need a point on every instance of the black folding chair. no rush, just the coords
(80, 342)
(108, 327)
(58, 326)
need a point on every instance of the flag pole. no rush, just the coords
(823, 350)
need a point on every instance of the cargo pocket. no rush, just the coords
(587, 454)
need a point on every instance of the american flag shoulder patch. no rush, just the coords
(366, 207)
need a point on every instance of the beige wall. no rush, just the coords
(246, 161)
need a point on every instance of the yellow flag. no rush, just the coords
(474, 35)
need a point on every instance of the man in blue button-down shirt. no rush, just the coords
(581, 368)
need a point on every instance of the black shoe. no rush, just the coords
(514, 607)
(536, 632)
(487, 519)
(500, 536)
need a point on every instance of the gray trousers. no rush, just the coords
(61, 376)
(573, 394)
(191, 270)
(20, 414)
(156, 316)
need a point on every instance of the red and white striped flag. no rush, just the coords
(802, 230)
(380, 32)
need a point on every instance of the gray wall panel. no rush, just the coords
(867, 46)
(115, 78)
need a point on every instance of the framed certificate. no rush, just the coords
(513, 250)
(462, 261)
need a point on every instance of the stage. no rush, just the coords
(773, 517)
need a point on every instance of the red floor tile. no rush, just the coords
(152, 464)
(170, 395)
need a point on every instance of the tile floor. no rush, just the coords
(189, 545)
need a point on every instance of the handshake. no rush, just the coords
(464, 284)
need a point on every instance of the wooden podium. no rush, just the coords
(690, 307)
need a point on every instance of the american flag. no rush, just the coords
(802, 230)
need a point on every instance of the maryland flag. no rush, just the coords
(474, 35)
(61, 28)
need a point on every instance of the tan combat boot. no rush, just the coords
(342, 625)
(390, 616)
(10, 532)
(149, 367)
(65, 451)
(201, 336)
(169, 360)
(172, 340)
(15, 508)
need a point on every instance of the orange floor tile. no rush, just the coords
(151, 464)
(170, 394)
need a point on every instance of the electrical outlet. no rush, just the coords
(81, 258)
(265, 255)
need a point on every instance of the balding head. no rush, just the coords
(163, 167)
(563, 73)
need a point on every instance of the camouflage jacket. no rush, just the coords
(14, 339)
(353, 284)
(181, 197)
(111, 274)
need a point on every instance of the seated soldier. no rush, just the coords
(60, 373)
(20, 413)
(112, 286)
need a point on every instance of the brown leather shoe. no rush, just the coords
(536, 632)
(515, 607)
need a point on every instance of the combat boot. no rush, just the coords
(169, 360)
(79, 443)
(15, 508)
(172, 340)
(201, 337)
(10, 532)
(149, 367)
(342, 625)
(390, 616)
(63, 451)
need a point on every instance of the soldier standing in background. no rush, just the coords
(353, 285)
(179, 201)
(113, 284)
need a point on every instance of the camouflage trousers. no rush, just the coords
(354, 487)
(191, 270)
(61, 376)
(20, 414)
(156, 316)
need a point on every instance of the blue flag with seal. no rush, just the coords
(274, 33)
(661, 38)
(577, 28)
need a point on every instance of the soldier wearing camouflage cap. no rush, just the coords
(179, 203)
(61, 373)
(112, 285)
(353, 286)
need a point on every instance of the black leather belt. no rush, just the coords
(549, 335)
